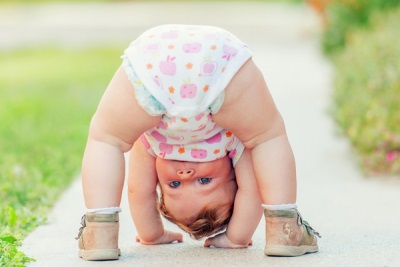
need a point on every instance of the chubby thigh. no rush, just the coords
(249, 110)
(119, 120)
(250, 113)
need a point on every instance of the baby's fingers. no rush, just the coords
(209, 242)
(219, 241)
(222, 241)
(166, 238)
(170, 237)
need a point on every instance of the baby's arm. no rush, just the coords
(247, 209)
(142, 196)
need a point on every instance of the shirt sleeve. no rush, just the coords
(235, 149)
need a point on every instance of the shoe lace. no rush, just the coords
(83, 225)
(308, 227)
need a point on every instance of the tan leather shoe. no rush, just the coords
(287, 234)
(98, 237)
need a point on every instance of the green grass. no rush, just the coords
(47, 99)
(367, 93)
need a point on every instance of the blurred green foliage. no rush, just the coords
(47, 99)
(100, 1)
(367, 92)
(51, 1)
(344, 16)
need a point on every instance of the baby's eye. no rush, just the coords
(205, 180)
(174, 184)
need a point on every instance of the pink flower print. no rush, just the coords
(177, 138)
(213, 128)
(188, 90)
(201, 128)
(168, 67)
(165, 148)
(159, 137)
(144, 141)
(170, 35)
(208, 67)
(391, 155)
(198, 153)
(214, 139)
(232, 154)
(229, 51)
(154, 47)
(161, 125)
(211, 36)
(172, 101)
(198, 117)
(191, 47)
(157, 81)
(231, 141)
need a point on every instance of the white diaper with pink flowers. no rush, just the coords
(181, 71)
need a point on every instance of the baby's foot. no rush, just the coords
(98, 237)
(287, 234)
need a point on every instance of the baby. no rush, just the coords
(197, 116)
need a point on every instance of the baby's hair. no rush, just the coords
(209, 221)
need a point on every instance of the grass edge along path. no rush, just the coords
(48, 96)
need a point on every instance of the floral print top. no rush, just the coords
(180, 72)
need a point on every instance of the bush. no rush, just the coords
(367, 93)
(344, 16)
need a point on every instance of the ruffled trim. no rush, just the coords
(147, 101)
(217, 104)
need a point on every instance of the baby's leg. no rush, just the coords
(102, 175)
(117, 123)
(250, 113)
(274, 167)
(102, 181)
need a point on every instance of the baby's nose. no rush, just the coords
(185, 172)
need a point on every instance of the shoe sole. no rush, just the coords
(99, 254)
(289, 251)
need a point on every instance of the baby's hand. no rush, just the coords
(167, 238)
(222, 241)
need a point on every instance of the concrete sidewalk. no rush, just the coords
(357, 217)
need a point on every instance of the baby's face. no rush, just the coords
(188, 187)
